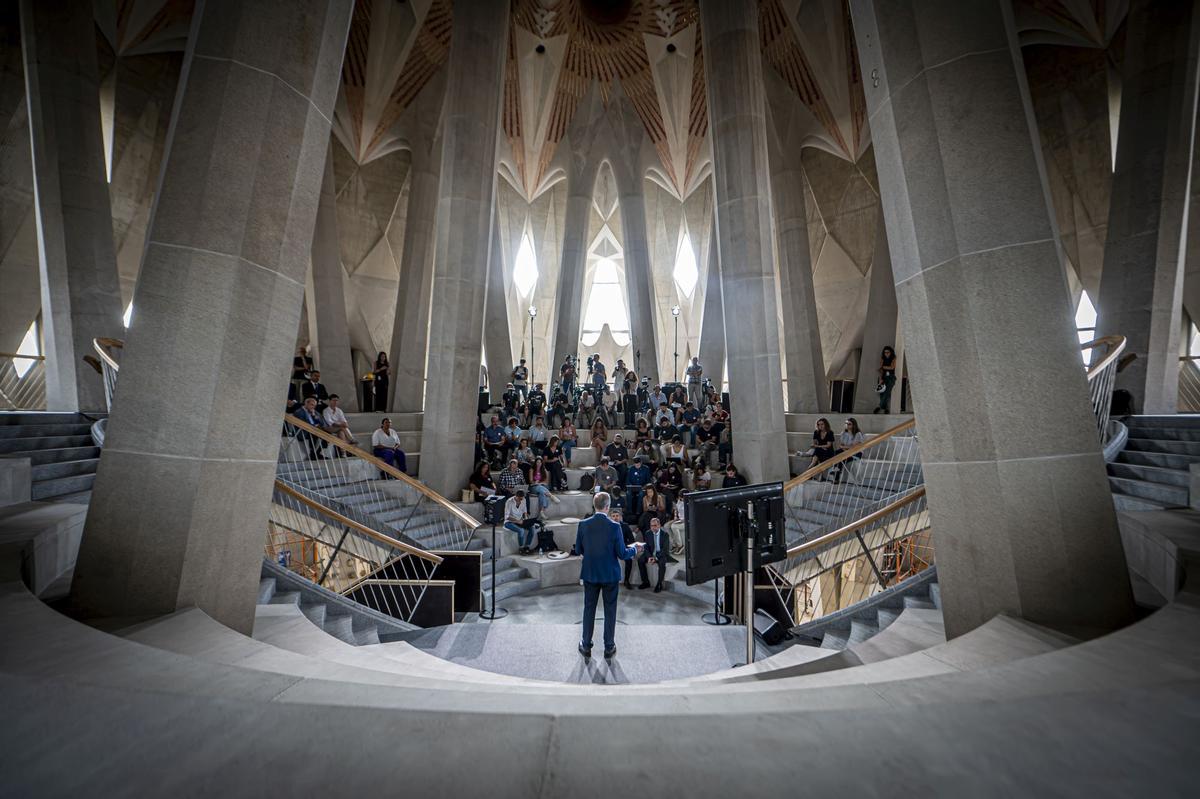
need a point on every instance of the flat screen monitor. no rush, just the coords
(717, 522)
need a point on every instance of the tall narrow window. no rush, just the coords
(606, 305)
(1085, 323)
(128, 315)
(685, 273)
(29, 346)
(525, 271)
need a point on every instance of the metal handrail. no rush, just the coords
(104, 346)
(1116, 345)
(849, 453)
(25, 357)
(845, 530)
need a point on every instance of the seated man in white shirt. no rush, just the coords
(518, 519)
(334, 420)
(385, 444)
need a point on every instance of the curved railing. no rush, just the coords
(1102, 376)
(1189, 384)
(340, 554)
(108, 350)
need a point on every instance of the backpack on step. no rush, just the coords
(587, 482)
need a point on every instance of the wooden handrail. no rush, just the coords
(102, 345)
(361, 528)
(841, 532)
(15, 355)
(846, 454)
(385, 467)
(1116, 345)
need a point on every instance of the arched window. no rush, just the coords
(29, 346)
(525, 271)
(606, 305)
(685, 273)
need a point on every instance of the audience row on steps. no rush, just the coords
(185, 703)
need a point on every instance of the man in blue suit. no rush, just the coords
(600, 542)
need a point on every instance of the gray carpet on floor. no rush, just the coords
(645, 653)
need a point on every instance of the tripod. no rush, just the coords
(494, 612)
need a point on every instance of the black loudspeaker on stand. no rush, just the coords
(493, 507)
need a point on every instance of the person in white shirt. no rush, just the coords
(675, 527)
(695, 373)
(335, 422)
(518, 520)
(385, 444)
(851, 436)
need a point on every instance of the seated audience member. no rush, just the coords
(536, 404)
(678, 398)
(512, 434)
(569, 437)
(611, 417)
(725, 448)
(851, 437)
(599, 437)
(664, 431)
(494, 442)
(335, 420)
(653, 507)
(675, 527)
(670, 483)
(618, 456)
(657, 552)
(641, 433)
(689, 422)
(635, 480)
(732, 477)
(539, 484)
(701, 476)
(559, 410)
(587, 409)
(512, 479)
(708, 438)
(386, 446)
(302, 365)
(481, 482)
(650, 454)
(627, 535)
(525, 457)
(308, 413)
(539, 436)
(313, 387)
(823, 443)
(658, 398)
(664, 414)
(606, 477)
(674, 451)
(554, 462)
(518, 519)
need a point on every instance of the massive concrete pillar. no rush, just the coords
(497, 347)
(1018, 497)
(333, 357)
(712, 324)
(475, 84)
(879, 331)
(807, 392)
(410, 332)
(631, 199)
(1141, 287)
(745, 236)
(81, 294)
(179, 510)
(573, 266)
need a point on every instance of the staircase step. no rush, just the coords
(835, 639)
(1163, 445)
(49, 489)
(861, 630)
(1168, 495)
(50, 471)
(367, 636)
(918, 602)
(503, 592)
(40, 430)
(1124, 502)
(341, 628)
(1149, 474)
(266, 590)
(39, 418)
(1164, 460)
(935, 595)
(42, 456)
(32, 444)
(885, 616)
(286, 598)
(315, 613)
(1164, 432)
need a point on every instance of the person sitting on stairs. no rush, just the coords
(657, 552)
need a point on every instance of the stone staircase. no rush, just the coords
(60, 449)
(1151, 472)
(864, 620)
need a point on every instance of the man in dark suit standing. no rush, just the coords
(599, 540)
(657, 551)
(313, 387)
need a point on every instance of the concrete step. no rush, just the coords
(286, 598)
(39, 430)
(512, 588)
(861, 630)
(366, 636)
(341, 628)
(49, 471)
(1149, 474)
(935, 595)
(32, 444)
(1164, 420)
(835, 639)
(918, 602)
(39, 418)
(1124, 502)
(1164, 460)
(1167, 495)
(1163, 445)
(314, 613)
(61, 486)
(41, 456)
(885, 616)
(266, 590)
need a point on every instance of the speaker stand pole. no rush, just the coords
(748, 587)
(716, 617)
(494, 612)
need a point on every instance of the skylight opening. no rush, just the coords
(1085, 323)
(686, 275)
(606, 304)
(29, 346)
(525, 271)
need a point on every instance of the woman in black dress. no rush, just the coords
(381, 371)
(887, 379)
(822, 443)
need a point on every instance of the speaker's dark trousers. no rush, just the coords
(591, 594)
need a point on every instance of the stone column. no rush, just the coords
(179, 510)
(410, 333)
(497, 347)
(712, 323)
(807, 392)
(745, 236)
(1018, 496)
(333, 358)
(81, 294)
(879, 331)
(573, 267)
(475, 84)
(1141, 287)
(631, 199)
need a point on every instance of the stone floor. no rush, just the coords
(564, 605)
